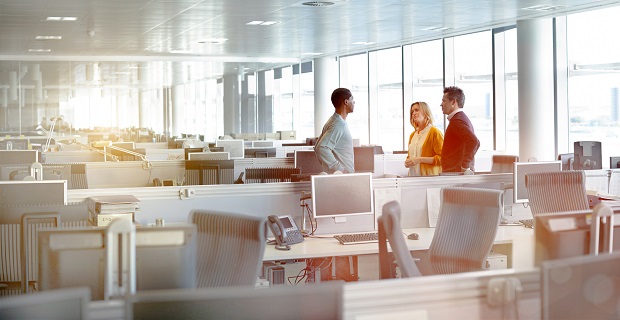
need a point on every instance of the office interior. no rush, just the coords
(112, 107)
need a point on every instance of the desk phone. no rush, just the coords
(285, 230)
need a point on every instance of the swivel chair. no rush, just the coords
(230, 248)
(556, 191)
(466, 228)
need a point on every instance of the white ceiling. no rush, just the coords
(131, 38)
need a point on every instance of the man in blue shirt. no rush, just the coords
(334, 147)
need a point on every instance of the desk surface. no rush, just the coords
(521, 238)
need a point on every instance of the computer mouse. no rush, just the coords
(413, 236)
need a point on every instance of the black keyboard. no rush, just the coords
(357, 238)
(528, 223)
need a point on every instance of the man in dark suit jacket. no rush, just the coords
(460, 142)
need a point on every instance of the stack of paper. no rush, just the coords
(102, 210)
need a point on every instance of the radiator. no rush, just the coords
(262, 175)
(192, 177)
(10, 246)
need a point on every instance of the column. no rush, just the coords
(178, 110)
(536, 89)
(325, 82)
(232, 104)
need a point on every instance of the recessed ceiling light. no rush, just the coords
(363, 43)
(48, 37)
(542, 7)
(214, 40)
(437, 28)
(61, 19)
(39, 50)
(181, 51)
(262, 23)
(311, 53)
(318, 3)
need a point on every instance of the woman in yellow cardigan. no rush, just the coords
(425, 143)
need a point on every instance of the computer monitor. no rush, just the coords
(235, 147)
(19, 156)
(588, 155)
(614, 162)
(364, 159)
(260, 152)
(312, 301)
(165, 258)
(263, 144)
(567, 160)
(307, 162)
(342, 195)
(187, 151)
(69, 303)
(566, 234)
(32, 193)
(522, 168)
(209, 156)
(584, 287)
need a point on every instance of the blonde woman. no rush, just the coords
(425, 142)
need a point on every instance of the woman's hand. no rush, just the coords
(411, 161)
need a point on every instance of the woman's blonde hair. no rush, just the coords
(425, 110)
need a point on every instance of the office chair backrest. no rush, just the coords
(503, 163)
(556, 191)
(230, 248)
(466, 228)
(389, 227)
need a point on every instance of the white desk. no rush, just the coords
(520, 239)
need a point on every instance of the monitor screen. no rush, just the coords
(588, 155)
(70, 303)
(19, 156)
(567, 160)
(307, 162)
(313, 301)
(566, 234)
(582, 287)
(364, 159)
(522, 168)
(76, 257)
(234, 147)
(341, 195)
(614, 162)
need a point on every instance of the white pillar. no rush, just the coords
(232, 104)
(178, 110)
(325, 82)
(536, 94)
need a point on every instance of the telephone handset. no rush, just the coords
(285, 230)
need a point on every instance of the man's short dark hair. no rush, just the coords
(455, 93)
(340, 95)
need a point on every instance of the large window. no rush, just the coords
(594, 80)
(473, 74)
(506, 91)
(386, 98)
(283, 99)
(305, 115)
(423, 75)
(354, 75)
